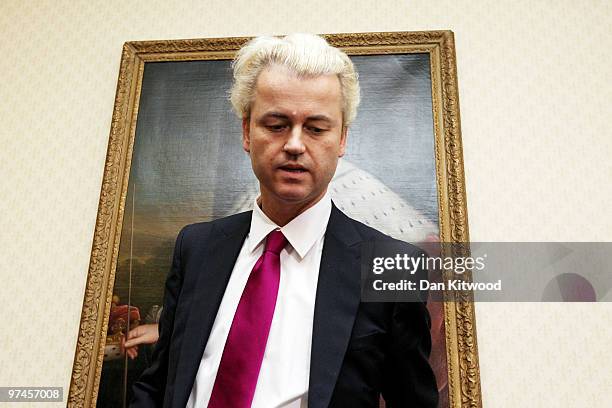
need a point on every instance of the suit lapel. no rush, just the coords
(225, 243)
(337, 301)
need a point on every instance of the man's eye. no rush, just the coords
(275, 128)
(316, 130)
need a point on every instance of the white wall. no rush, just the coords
(534, 92)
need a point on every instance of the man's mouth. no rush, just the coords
(293, 168)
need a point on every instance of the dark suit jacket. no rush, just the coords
(358, 349)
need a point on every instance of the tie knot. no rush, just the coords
(275, 242)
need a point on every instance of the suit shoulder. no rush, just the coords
(201, 230)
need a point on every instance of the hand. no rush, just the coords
(143, 334)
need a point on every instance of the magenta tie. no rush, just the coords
(246, 342)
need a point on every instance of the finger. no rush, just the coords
(134, 333)
(133, 342)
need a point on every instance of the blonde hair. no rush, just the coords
(304, 54)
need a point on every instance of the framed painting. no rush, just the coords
(174, 157)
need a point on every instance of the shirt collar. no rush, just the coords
(302, 232)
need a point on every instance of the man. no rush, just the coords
(263, 308)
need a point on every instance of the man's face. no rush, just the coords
(294, 135)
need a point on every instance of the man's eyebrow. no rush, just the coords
(282, 116)
(274, 115)
(320, 118)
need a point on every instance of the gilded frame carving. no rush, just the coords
(461, 345)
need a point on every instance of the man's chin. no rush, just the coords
(294, 196)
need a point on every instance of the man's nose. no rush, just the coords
(295, 144)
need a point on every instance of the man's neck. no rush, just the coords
(281, 213)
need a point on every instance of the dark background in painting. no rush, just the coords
(188, 164)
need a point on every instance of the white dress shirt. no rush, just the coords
(285, 369)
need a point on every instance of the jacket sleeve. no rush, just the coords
(150, 387)
(409, 380)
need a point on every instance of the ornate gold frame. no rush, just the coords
(461, 347)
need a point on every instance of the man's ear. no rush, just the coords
(343, 138)
(246, 136)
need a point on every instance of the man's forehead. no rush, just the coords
(280, 90)
(280, 79)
